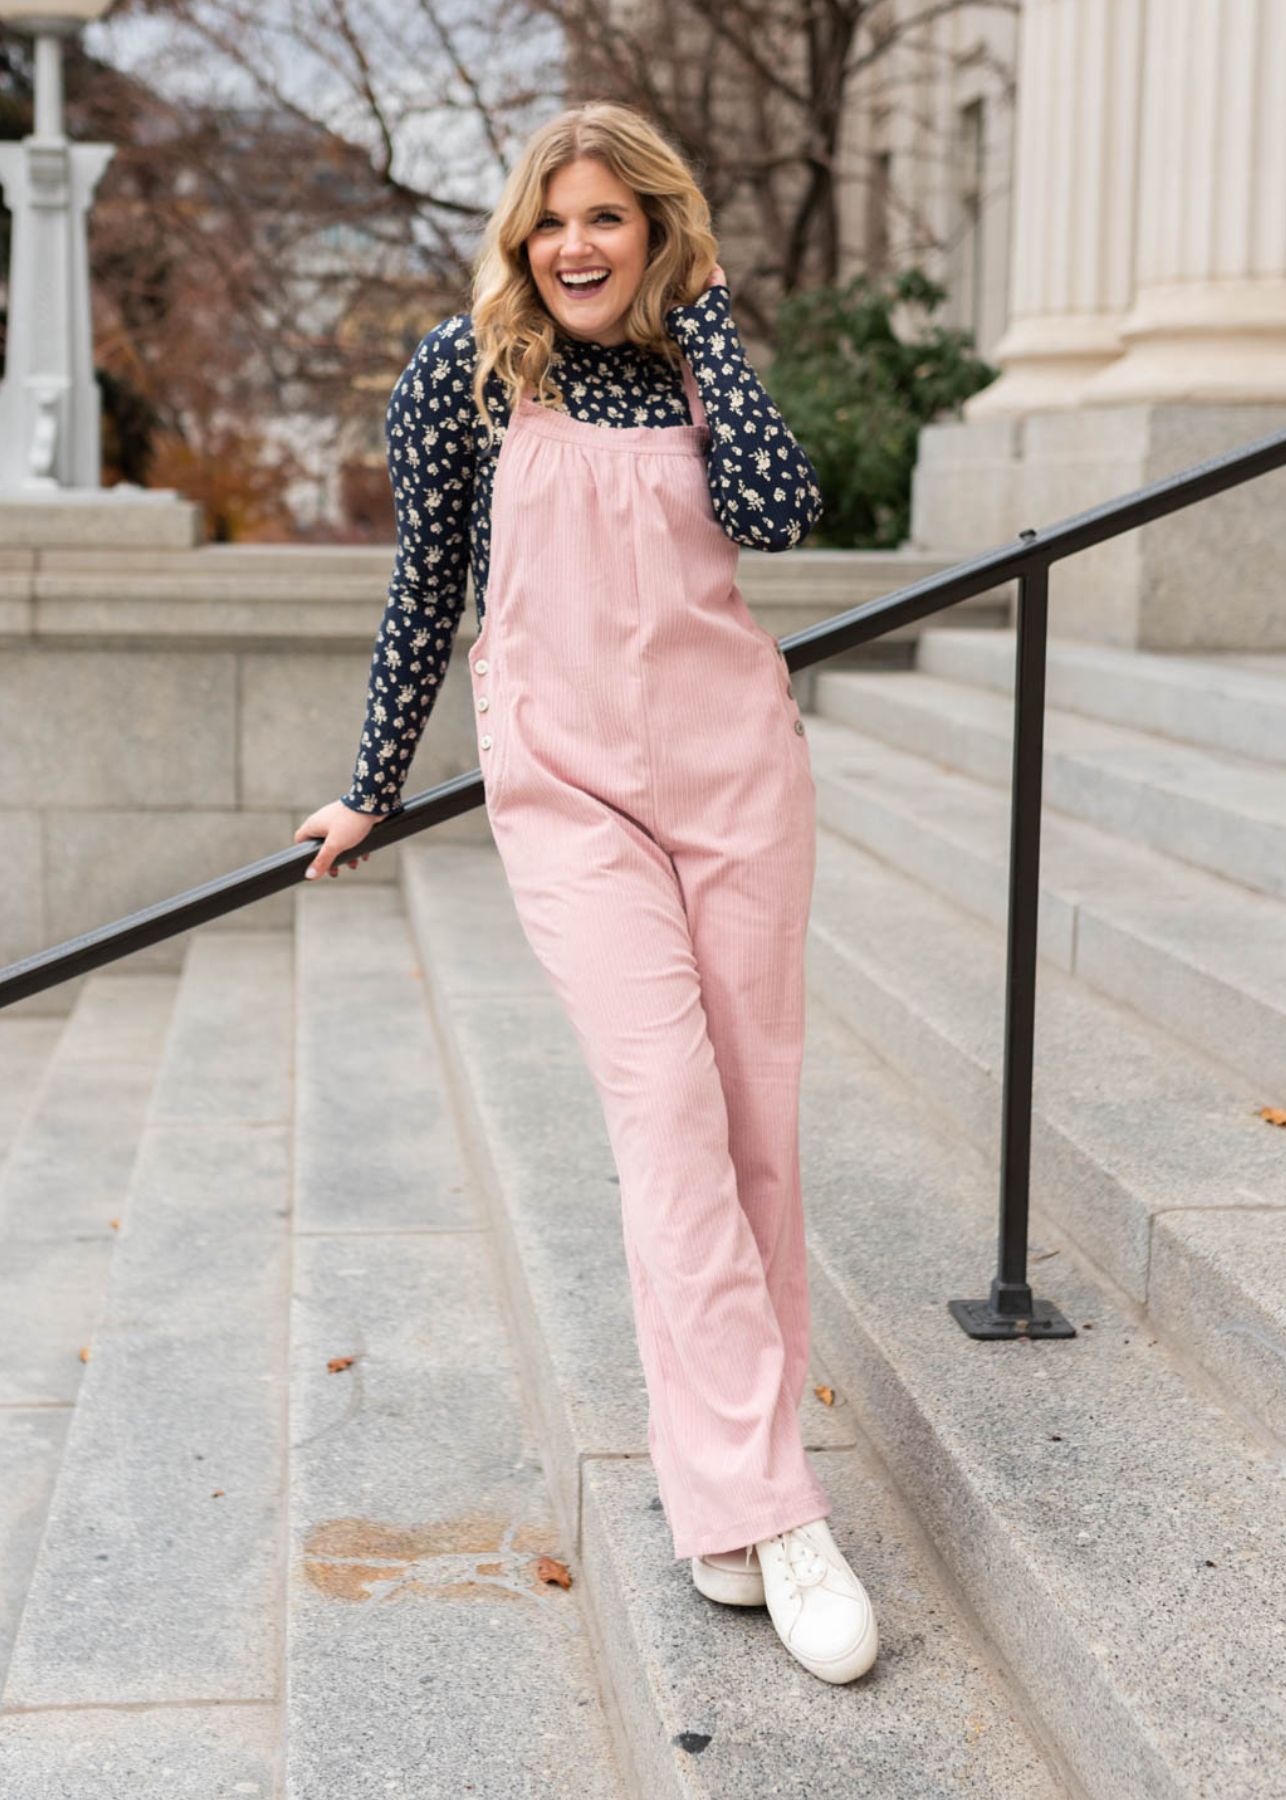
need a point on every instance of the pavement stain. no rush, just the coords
(364, 1559)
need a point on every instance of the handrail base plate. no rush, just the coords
(977, 1318)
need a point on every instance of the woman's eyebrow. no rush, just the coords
(616, 205)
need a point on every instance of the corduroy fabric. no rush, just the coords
(653, 806)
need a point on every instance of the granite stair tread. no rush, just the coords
(1222, 700)
(300, 1420)
(1222, 811)
(1133, 1130)
(418, 1616)
(1192, 951)
(1115, 1529)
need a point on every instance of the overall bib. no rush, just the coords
(651, 797)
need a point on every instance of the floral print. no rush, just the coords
(763, 490)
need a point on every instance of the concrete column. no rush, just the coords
(1074, 176)
(1208, 322)
(50, 405)
(1149, 321)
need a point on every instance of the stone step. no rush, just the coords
(1234, 705)
(1116, 1532)
(148, 1644)
(1261, 662)
(1225, 813)
(67, 1171)
(1149, 1155)
(74, 1091)
(709, 1701)
(27, 1042)
(425, 1653)
(1197, 954)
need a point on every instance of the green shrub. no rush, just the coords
(856, 396)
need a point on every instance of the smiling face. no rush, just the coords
(591, 225)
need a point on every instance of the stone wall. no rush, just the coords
(168, 715)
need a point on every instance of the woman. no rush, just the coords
(648, 786)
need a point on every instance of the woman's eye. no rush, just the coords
(610, 217)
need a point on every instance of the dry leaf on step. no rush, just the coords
(547, 1569)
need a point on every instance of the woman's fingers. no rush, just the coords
(331, 854)
(321, 863)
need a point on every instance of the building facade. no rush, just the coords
(1111, 225)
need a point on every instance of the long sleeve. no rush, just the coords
(763, 487)
(428, 432)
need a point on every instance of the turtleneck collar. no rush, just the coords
(587, 346)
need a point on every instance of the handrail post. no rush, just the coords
(1010, 1311)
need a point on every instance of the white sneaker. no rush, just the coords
(821, 1610)
(733, 1576)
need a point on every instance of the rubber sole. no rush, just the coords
(731, 1587)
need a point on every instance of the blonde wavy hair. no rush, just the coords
(512, 328)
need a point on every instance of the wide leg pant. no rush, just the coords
(682, 975)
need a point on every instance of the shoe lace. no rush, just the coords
(806, 1564)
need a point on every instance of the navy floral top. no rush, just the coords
(763, 490)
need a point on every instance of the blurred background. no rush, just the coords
(297, 188)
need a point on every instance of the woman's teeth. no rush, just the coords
(577, 284)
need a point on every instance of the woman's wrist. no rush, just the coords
(687, 321)
(367, 806)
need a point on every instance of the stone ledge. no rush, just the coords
(336, 593)
(124, 515)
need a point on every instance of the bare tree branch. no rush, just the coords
(285, 242)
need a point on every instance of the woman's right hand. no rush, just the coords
(342, 828)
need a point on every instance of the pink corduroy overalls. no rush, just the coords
(651, 796)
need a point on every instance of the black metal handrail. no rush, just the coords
(1010, 1310)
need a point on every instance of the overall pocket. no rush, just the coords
(785, 685)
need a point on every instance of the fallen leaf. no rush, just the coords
(84, 1353)
(825, 1394)
(547, 1569)
(339, 1363)
(1275, 1115)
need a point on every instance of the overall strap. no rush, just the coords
(694, 398)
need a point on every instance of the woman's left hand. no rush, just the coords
(713, 279)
